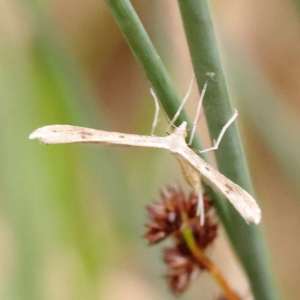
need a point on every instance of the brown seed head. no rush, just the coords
(167, 218)
(181, 270)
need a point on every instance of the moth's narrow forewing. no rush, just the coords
(62, 134)
(240, 199)
(243, 202)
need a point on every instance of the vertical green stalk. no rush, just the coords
(143, 49)
(146, 54)
(246, 239)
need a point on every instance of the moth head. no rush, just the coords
(181, 130)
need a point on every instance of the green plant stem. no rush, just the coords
(144, 51)
(246, 239)
(201, 257)
(146, 54)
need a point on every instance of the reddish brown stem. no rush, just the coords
(201, 257)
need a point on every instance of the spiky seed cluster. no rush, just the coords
(166, 220)
(182, 270)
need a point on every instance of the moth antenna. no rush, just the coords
(182, 103)
(156, 103)
(198, 113)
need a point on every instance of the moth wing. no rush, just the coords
(65, 134)
(243, 202)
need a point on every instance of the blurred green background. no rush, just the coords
(72, 217)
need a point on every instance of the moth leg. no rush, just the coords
(198, 113)
(156, 103)
(216, 143)
(200, 206)
(182, 103)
